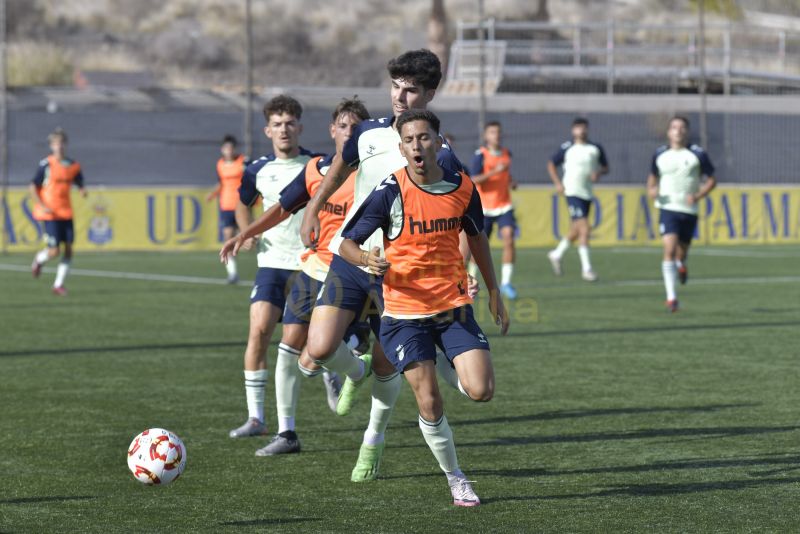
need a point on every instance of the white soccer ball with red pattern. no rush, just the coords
(156, 456)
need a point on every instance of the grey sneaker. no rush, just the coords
(283, 443)
(333, 385)
(253, 427)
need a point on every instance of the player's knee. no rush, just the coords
(481, 391)
(382, 366)
(320, 347)
(430, 407)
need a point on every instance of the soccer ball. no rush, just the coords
(156, 456)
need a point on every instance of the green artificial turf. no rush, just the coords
(610, 415)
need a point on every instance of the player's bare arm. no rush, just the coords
(372, 259)
(482, 256)
(554, 177)
(708, 186)
(600, 172)
(270, 218)
(652, 186)
(335, 177)
(243, 220)
(480, 178)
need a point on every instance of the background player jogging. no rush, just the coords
(50, 189)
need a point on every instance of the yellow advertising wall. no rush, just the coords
(181, 219)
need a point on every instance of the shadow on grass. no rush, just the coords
(651, 329)
(123, 348)
(54, 498)
(567, 414)
(657, 490)
(272, 521)
(647, 433)
(600, 412)
(785, 464)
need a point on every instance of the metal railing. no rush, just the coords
(616, 52)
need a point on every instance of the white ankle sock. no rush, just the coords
(61, 273)
(254, 384)
(42, 257)
(506, 272)
(439, 438)
(562, 247)
(230, 267)
(385, 390)
(309, 373)
(287, 386)
(344, 362)
(670, 272)
(583, 253)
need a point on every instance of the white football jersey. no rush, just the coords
(679, 172)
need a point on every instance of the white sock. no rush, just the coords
(42, 257)
(344, 362)
(439, 438)
(506, 272)
(670, 272)
(448, 372)
(309, 373)
(385, 390)
(583, 253)
(287, 386)
(231, 267)
(254, 384)
(472, 269)
(678, 264)
(61, 273)
(562, 247)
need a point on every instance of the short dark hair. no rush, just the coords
(412, 115)
(420, 66)
(680, 118)
(492, 124)
(283, 104)
(229, 139)
(353, 106)
(58, 133)
(578, 121)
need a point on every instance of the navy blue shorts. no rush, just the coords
(301, 299)
(578, 207)
(227, 218)
(506, 219)
(676, 222)
(350, 288)
(57, 232)
(272, 285)
(414, 340)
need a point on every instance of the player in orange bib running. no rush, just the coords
(421, 209)
(51, 190)
(230, 169)
(314, 266)
(491, 173)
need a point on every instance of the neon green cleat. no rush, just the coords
(368, 463)
(349, 392)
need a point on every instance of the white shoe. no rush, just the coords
(555, 262)
(333, 386)
(252, 427)
(463, 494)
(589, 276)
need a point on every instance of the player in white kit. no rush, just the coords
(675, 183)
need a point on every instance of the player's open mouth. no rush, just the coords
(419, 162)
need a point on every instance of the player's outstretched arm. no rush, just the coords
(335, 177)
(270, 218)
(482, 256)
(214, 193)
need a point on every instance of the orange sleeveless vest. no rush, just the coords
(55, 191)
(427, 275)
